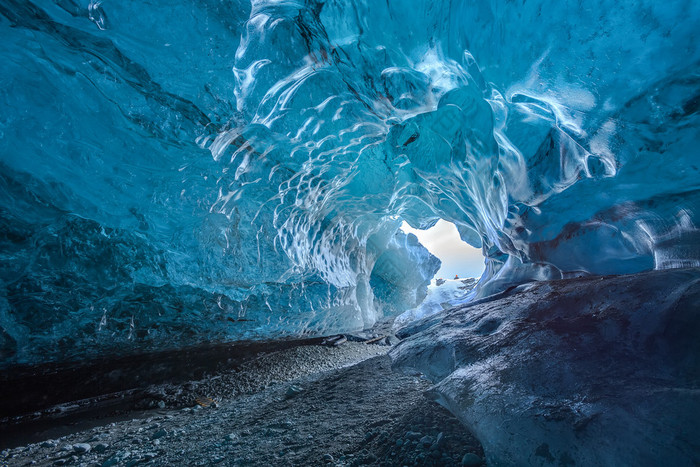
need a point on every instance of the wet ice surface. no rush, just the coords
(588, 371)
(308, 406)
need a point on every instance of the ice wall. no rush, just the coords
(586, 371)
(179, 171)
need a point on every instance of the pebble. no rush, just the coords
(471, 460)
(426, 440)
(82, 448)
(292, 391)
(100, 447)
(49, 443)
(114, 460)
(159, 434)
(328, 458)
(412, 435)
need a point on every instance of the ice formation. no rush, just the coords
(584, 371)
(443, 294)
(202, 170)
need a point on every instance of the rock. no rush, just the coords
(426, 440)
(161, 404)
(49, 443)
(412, 435)
(438, 441)
(399, 442)
(231, 437)
(100, 447)
(334, 341)
(159, 434)
(369, 459)
(116, 458)
(292, 391)
(471, 460)
(82, 448)
(328, 458)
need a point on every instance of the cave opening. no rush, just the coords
(202, 204)
(458, 258)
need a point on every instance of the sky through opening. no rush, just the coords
(457, 257)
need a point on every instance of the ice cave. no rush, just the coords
(214, 220)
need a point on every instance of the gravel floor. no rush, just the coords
(310, 405)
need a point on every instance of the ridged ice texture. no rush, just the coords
(177, 171)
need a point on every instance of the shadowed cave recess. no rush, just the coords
(180, 172)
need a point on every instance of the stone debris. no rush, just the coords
(342, 410)
(82, 448)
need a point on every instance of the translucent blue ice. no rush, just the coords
(187, 170)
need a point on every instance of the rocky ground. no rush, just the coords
(311, 405)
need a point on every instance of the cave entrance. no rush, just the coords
(458, 257)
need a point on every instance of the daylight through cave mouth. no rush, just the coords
(458, 259)
(242, 172)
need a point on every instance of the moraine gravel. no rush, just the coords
(310, 405)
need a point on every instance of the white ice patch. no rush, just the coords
(448, 294)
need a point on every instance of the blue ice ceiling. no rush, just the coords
(174, 172)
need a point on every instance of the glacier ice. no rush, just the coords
(584, 371)
(200, 170)
(443, 294)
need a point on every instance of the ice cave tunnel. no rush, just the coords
(185, 177)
